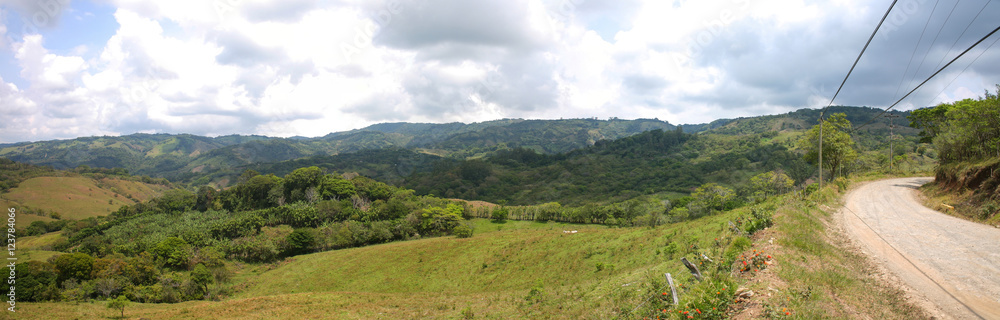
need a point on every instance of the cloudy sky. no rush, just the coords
(71, 68)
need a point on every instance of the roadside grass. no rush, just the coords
(818, 273)
(964, 204)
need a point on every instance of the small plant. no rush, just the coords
(119, 304)
(535, 295)
(467, 313)
(759, 219)
(755, 262)
(988, 210)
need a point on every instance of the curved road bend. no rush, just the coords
(953, 263)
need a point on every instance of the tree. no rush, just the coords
(249, 173)
(74, 266)
(838, 147)
(463, 231)
(711, 196)
(929, 120)
(33, 280)
(173, 251)
(768, 183)
(119, 304)
(176, 200)
(333, 187)
(205, 198)
(202, 276)
(299, 241)
(300, 180)
(441, 220)
(499, 215)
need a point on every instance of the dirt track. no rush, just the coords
(949, 262)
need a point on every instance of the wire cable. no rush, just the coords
(963, 70)
(929, 78)
(914, 54)
(858, 59)
(963, 33)
(929, 48)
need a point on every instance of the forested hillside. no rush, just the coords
(199, 160)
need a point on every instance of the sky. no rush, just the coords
(73, 68)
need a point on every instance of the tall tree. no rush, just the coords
(838, 147)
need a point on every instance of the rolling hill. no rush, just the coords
(188, 158)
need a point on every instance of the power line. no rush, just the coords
(963, 32)
(929, 48)
(966, 68)
(929, 78)
(859, 57)
(914, 54)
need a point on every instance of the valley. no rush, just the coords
(487, 229)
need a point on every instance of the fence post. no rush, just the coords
(694, 269)
(673, 290)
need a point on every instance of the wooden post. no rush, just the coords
(673, 290)
(734, 228)
(694, 269)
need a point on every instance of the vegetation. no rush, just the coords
(591, 215)
(967, 136)
(967, 130)
(838, 146)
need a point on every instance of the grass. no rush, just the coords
(517, 269)
(77, 197)
(35, 255)
(40, 242)
(22, 219)
(818, 274)
(522, 269)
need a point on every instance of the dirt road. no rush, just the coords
(952, 263)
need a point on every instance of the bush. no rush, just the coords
(463, 231)
(174, 252)
(759, 219)
(499, 215)
(299, 242)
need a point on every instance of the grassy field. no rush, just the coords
(41, 242)
(587, 274)
(22, 219)
(77, 197)
(533, 270)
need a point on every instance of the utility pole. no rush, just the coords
(891, 137)
(821, 149)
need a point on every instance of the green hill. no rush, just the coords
(187, 158)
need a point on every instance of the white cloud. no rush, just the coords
(308, 67)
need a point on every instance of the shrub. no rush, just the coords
(119, 304)
(499, 215)
(299, 241)
(174, 252)
(462, 231)
(759, 219)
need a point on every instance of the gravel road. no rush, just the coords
(951, 263)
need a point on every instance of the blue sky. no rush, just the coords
(310, 67)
